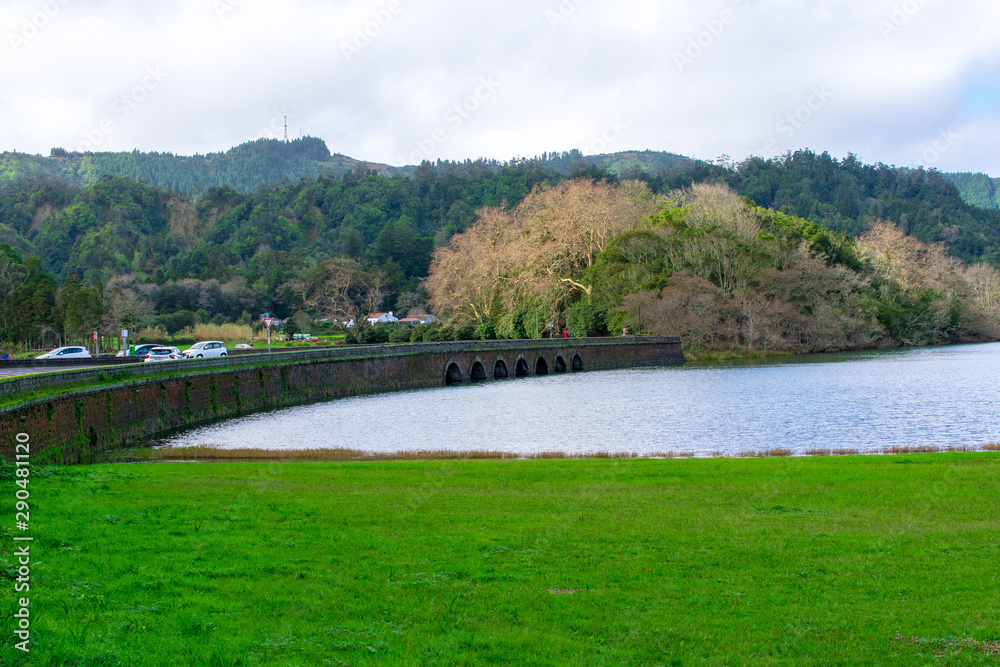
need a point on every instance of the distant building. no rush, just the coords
(381, 318)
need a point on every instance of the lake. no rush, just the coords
(942, 397)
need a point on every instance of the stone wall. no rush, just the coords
(73, 416)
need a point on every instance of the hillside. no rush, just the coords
(849, 196)
(244, 168)
(273, 163)
(977, 189)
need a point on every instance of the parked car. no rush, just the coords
(66, 353)
(211, 348)
(243, 346)
(140, 351)
(5, 356)
(164, 354)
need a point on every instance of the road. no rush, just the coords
(11, 372)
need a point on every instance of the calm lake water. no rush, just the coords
(941, 396)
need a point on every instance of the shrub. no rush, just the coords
(374, 335)
(400, 335)
(465, 332)
(486, 331)
(584, 320)
(430, 333)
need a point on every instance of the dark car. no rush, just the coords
(140, 351)
(5, 356)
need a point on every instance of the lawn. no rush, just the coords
(806, 561)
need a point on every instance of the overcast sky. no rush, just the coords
(914, 82)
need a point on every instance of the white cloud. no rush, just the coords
(900, 71)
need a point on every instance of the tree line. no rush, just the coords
(334, 246)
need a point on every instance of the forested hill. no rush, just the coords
(244, 168)
(272, 164)
(849, 196)
(978, 189)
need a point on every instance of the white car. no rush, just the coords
(163, 354)
(243, 346)
(66, 353)
(206, 349)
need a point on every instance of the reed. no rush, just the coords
(766, 453)
(215, 453)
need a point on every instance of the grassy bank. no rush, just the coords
(803, 561)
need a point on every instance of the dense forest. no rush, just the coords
(123, 253)
(978, 189)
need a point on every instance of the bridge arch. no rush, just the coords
(453, 374)
(577, 362)
(521, 369)
(559, 364)
(541, 366)
(477, 372)
(500, 371)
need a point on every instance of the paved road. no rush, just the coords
(11, 372)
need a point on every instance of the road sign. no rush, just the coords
(124, 333)
(95, 336)
(268, 321)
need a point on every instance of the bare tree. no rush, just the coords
(126, 310)
(342, 289)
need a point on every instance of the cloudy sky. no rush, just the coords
(906, 82)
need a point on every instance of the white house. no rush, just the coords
(382, 318)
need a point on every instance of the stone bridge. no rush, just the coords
(73, 416)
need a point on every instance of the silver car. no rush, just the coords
(163, 354)
(207, 349)
(66, 353)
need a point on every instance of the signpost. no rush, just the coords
(124, 341)
(97, 348)
(268, 321)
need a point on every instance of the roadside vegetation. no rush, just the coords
(765, 561)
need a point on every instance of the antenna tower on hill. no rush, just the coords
(286, 129)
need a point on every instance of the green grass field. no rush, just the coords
(805, 561)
